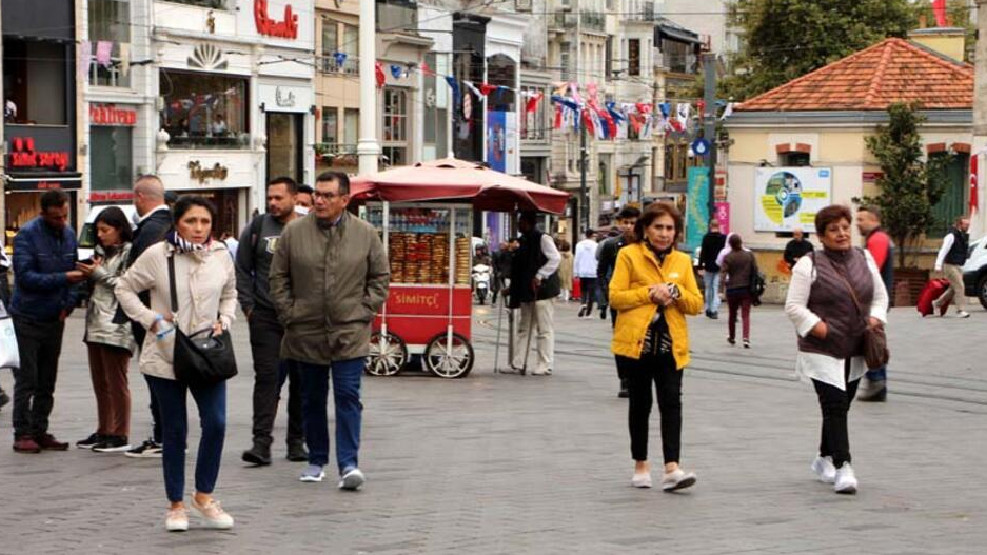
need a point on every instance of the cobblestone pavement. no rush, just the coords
(510, 464)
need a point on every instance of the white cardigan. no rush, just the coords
(815, 366)
(206, 291)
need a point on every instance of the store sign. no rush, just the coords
(108, 114)
(111, 196)
(201, 174)
(284, 97)
(24, 155)
(27, 184)
(287, 28)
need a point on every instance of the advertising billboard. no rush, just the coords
(786, 198)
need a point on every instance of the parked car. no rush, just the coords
(87, 235)
(975, 271)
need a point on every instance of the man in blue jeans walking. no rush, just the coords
(328, 277)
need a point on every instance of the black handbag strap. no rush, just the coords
(174, 291)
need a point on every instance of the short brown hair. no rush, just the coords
(654, 211)
(830, 214)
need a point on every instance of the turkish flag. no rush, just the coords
(381, 78)
(939, 10)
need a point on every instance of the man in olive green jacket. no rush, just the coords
(329, 276)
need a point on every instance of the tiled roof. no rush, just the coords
(894, 70)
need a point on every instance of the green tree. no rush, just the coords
(910, 186)
(786, 39)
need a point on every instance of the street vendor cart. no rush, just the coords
(425, 216)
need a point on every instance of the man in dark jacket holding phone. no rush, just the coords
(46, 292)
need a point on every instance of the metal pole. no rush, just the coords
(367, 149)
(583, 216)
(709, 65)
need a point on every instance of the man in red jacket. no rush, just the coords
(881, 248)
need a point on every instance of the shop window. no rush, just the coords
(111, 157)
(394, 155)
(794, 159)
(109, 20)
(435, 127)
(34, 81)
(284, 146)
(203, 110)
(330, 123)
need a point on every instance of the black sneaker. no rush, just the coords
(4, 399)
(257, 455)
(148, 449)
(112, 444)
(296, 452)
(90, 441)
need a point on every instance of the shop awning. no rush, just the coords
(43, 182)
(452, 179)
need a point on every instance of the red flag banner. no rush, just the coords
(381, 78)
(939, 10)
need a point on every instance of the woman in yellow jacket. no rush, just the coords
(652, 290)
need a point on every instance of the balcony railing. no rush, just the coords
(328, 65)
(336, 154)
(594, 21)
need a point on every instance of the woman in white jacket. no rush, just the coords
(206, 290)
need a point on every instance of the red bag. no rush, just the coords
(932, 291)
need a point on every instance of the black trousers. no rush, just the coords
(269, 375)
(624, 364)
(139, 334)
(835, 404)
(39, 345)
(658, 372)
(587, 292)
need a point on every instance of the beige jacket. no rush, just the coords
(327, 284)
(206, 289)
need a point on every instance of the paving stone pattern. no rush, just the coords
(509, 464)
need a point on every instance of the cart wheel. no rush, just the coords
(388, 354)
(446, 363)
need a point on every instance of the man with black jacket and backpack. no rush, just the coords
(253, 266)
(155, 222)
(534, 286)
(607, 259)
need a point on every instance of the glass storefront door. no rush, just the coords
(284, 146)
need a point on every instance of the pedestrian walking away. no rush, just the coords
(154, 224)
(823, 298)
(584, 267)
(204, 282)
(565, 270)
(738, 267)
(878, 243)
(798, 247)
(534, 286)
(713, 243)
(952, 257)
(253, 266)
(109, 344)
(653, 289)
(606, 263)
(329, 276)
(46, 291)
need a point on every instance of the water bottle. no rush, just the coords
(164, 338)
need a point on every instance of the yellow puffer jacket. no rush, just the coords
(636, 271)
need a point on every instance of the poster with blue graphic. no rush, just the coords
(697, 207)
(789, 197)
(497, 141)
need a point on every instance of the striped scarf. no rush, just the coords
(182, 246)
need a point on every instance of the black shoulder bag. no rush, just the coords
(200, 358)
(757, 284)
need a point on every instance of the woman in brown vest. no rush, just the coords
(823, 296)
(738, 267)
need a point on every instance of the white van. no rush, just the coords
(87, 235)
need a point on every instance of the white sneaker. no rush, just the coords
(176, 520)
(213, 515)
(312, 473)
(846, 481)
(824, 469)
(352, 480)
(677, 479)
(642, 480)
(962, 314)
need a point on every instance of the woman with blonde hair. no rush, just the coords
(653, 289)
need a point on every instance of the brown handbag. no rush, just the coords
(876, 352)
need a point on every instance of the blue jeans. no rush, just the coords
(346, 376)
(880, 374)
(711, 297)
(211, 401)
